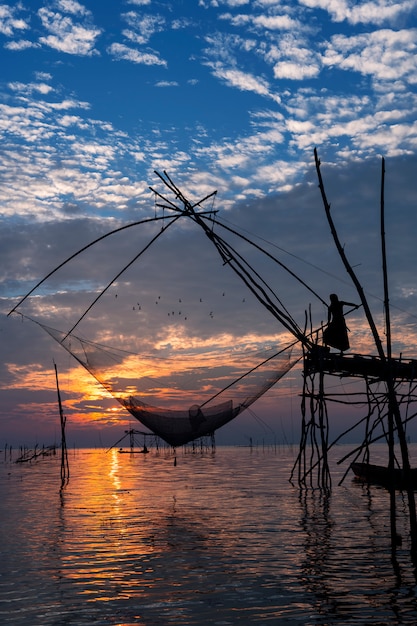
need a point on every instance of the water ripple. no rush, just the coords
(220, 539)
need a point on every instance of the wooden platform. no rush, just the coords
(322, 360)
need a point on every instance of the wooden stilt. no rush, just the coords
(64, 452)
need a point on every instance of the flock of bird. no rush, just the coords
(171, 313)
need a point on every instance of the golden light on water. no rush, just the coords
(223, 537)
(107, 530)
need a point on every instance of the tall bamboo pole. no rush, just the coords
(391, 444)
(389, 380)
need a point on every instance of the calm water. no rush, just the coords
(217, 539)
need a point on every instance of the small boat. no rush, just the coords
(144, 450)
(381, 475)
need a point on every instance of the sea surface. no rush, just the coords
(198, 538)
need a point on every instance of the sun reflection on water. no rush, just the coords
(217, 538)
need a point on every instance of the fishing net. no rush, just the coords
(159, 317)
(181, 399)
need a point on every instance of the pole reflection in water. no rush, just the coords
(219, 538)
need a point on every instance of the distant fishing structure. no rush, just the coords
(28, 455)
(134, 445)
(152, 441)
(389, 382)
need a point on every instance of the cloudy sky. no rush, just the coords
(225, 95)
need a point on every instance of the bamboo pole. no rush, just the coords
(391, 444)
(389, 380)
(64, 452)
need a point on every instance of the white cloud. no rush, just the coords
(181, 23)
(331, 119)
(21, 44)
(226, 47)
(121, 52)
(395, 139)
(383, 54)
(29, 88)
(33, 120)
(276, 22)
(66, 36)
(302, 117)
(67, 104)
(375, 12)
(166, 83)
(267, 22)
(296, 70)
(249, 155)
(144, 27)
(293, 58)
(217, 3)
(8, 22)
(72, 6)
(72, 120)
(243, 80)
(43, 76)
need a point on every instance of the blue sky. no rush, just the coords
(227, 95)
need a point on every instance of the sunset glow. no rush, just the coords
(101, 102)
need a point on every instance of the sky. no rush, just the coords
(225, 95)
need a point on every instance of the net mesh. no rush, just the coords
(181, 399)
(161, 320)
